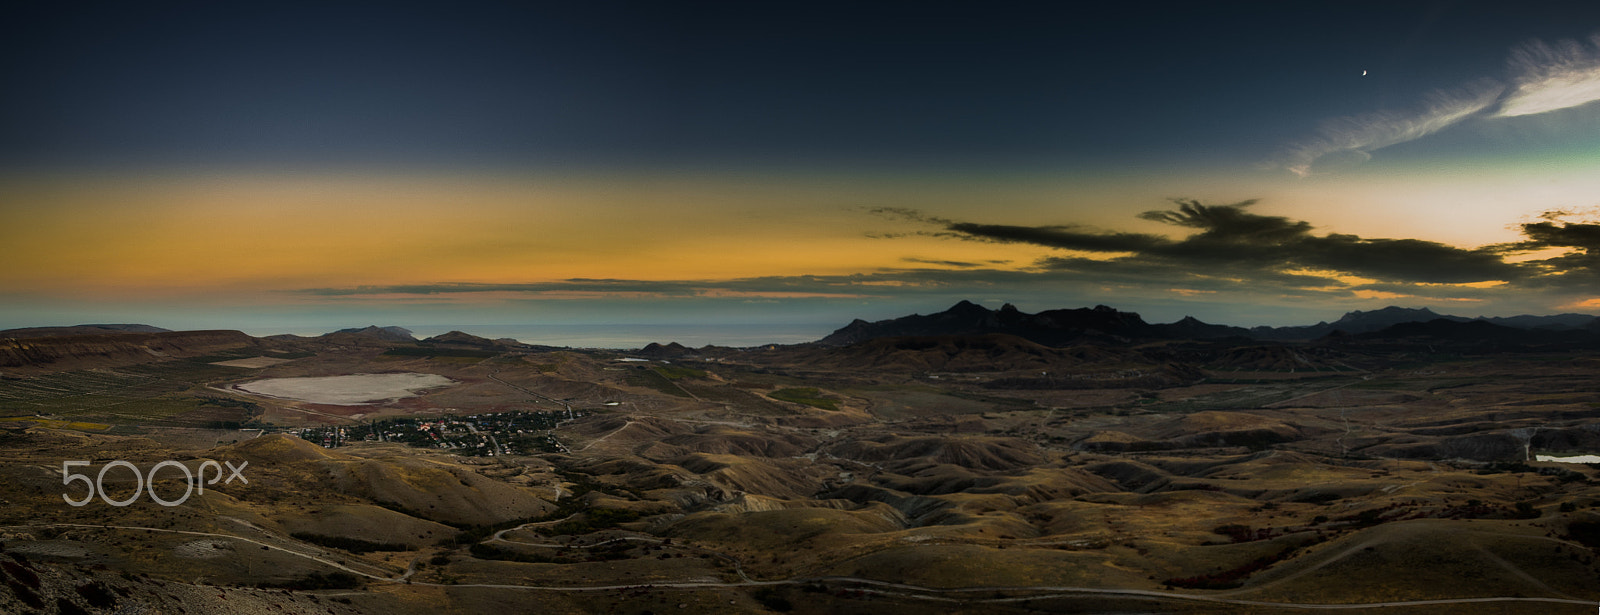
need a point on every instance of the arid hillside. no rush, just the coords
(983, 473)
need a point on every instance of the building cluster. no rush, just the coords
(489, 435)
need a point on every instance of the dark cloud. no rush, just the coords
(945, 263)
(1233, 241)
(1247, 257)
(1566, 235)
(568, 285)
(1230, 223)
(1578, 267)
(1412, 260)
(1128, 270)
(906, 213)
(799, 284)
(1064, 237)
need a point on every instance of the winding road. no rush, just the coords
(905, 590)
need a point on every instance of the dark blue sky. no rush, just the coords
(700, 84)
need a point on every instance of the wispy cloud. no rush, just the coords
(774, 286)
(941, 263)
(1543, 77)
(1553, 77)
(1358, 136)
(906, 213)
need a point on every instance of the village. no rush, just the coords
(486, 435)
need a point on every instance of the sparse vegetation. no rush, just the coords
(677, 372)
(1586, 533)
(433, 352)
(594, 519)
(97, 595)
(931, 481)
(25, 594)
(805, 395)
(353, 545)
(773, 600)
(1231, 578)
(471, 534)
(317, 580)
(655, 379)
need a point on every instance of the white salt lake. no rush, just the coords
(352, 390)
(1572, 459)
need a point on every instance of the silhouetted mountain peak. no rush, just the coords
(1050, 328)
(671, 349)
(1193, 328)
(967, 308)
(1104, 323)
(1355, 322)
(458, 337)
(392, 334)
(1394, 309)
(1393, 313)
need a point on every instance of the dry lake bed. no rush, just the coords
(352, 390)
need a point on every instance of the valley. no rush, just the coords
(946, 472)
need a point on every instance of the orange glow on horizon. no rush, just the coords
(154, 237)
(264, 238)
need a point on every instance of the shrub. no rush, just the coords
(98, 595)
(317, 580)
(353, 545)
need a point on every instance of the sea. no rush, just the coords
(625, 336)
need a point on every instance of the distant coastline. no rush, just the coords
(618, 335)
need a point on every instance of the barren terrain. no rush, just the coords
(887, 476)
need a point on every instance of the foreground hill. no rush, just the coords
(992, 352)
(111, 349)
(1125, 470)
(387, 334)
(458, 338)
(79, 330)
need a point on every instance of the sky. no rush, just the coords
(284, 167)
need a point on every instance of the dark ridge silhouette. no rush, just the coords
(1102, 324)
(1473, 332)
(672, 349)
(1050, 328)
(28, 332)
(1554, 321)
(388, 334)
(108, 350)
(457, 338)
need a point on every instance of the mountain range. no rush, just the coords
(1054, 328)
(1105, 324)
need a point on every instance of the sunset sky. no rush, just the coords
(281, 167)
